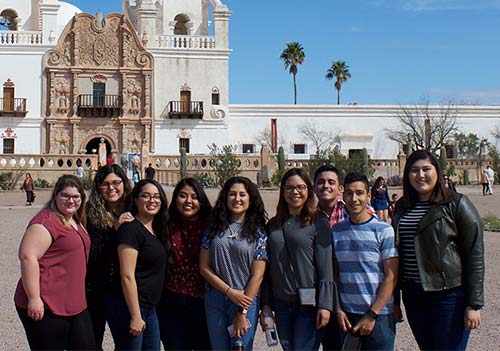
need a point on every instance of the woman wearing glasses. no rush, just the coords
(50, 296)
(105, 212)
(142, 253)
(299, 285)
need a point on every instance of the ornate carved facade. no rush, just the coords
(99, 81)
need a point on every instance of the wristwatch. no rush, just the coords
(476, 307)
(371, 314)
(242, 310)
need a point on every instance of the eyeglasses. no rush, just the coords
(67, 197)
(148, 197)
(300, 188)
(115, 184)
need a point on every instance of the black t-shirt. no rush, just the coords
(151, 261)
(150, 172)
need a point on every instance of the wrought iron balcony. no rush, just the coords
(99, 106)
(13, 107)
(182, 109)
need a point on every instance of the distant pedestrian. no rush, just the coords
(136, 176)
(491, 179)
(79, 172)
(29, 188)
(392, 205)
(150, 172)
(484, 182)
(448, 184)
(380, 198)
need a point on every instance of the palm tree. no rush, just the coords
(293, 55)
(340, 71)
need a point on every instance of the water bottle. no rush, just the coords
(270, 331)
(238, 345)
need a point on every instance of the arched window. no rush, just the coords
(215, 96)
(8, 20)
(181, 25)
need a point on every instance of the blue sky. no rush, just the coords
(399, 51)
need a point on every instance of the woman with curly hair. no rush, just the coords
(233, 260)
(181, 307)
(142, 251)
(380, 198)
(105, 212)
(299, 285)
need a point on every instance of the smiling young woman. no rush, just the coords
(438, 228)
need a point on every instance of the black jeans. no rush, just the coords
(183, 325)
(97, 309)
(58, 332)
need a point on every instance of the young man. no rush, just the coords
(366, 268)
(150, 172)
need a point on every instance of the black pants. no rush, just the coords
(332, 338)
(97, 310)
(58, 332)
(183, 325)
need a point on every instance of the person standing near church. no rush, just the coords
(491, 179)
(150, 172)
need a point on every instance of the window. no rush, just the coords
(299, 148)
(215, 99)
(185, 101)
(184, 143)
(8, 146)
(181, 25)
(248, 148)
(99, 90)
(356, 153)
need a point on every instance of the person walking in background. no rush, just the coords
(142, 251)
(440, 243)
(29, 188)
(149, 172)
(392, 205)
(105, 213)
(181, 309)
(299, 285)
(366, 260)
(50, 296)
(79, 171)
(485, 182)
(448, 184)
(380, 198)
(233, 260)
(491, 179)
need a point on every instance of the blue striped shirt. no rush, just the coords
(360, 250)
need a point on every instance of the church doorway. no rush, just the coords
(93, 146)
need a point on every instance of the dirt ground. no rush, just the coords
(14, 216)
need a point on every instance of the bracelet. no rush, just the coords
(242, 310)
(228, 288)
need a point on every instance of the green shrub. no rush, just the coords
(42, 183)
(205, 180)
(277, 175)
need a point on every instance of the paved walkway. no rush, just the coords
(14, 216)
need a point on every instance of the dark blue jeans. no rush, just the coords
(119, 321)
(383, 334)
(220, 312)
(436, 318)
(296, 326)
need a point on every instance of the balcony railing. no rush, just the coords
(99, 106)
(13, 107)
(185, 42)
(20, 38)
(182, 109)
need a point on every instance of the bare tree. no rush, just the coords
(441, 125)
(495, 133)
(265, 137)
(322, 139)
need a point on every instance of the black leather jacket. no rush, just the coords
(449, 247)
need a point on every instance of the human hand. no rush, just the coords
(398, 314)
(136, 326)
(472, 318)
(35, 308)
(364, 326)
(322, 318)
(344, 323)
(241, 325)
(124, 218)
(239, 298)
(266, 311)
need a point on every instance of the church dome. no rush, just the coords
(65, 14)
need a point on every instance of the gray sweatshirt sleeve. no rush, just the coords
(324, 267)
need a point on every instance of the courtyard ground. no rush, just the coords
(14, 216)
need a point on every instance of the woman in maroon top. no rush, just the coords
(50, 296)
(181, 311)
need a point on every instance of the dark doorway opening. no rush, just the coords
(93, 146)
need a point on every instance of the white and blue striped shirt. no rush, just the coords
(360, 250)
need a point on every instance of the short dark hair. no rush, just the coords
(328, 168)
(356, 177)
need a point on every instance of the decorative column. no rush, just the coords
(146, 15)
(75, 95)
(221, 16)
(48, 15)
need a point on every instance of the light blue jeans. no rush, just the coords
(220, 312)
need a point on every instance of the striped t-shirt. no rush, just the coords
(360, 250)
(407, 229)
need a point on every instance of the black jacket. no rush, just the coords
(449, 247)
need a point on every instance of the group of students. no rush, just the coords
(199, 277)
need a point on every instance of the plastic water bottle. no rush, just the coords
(270, 331)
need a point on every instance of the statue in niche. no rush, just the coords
(62, 90)
(134, 92)
(134, 141)
(61, 139)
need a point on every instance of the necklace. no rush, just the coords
(234, 233)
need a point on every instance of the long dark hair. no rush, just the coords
(308, 211)
(376, 185)
(160, 220)
(205, 206)
(410, 195)
(255, 216)
(98, 211)
(63, 182)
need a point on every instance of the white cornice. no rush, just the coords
(191, 53)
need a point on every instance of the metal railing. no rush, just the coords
(99, 105)
(15, 106)
(183, 109)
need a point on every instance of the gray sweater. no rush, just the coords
(310, 248)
